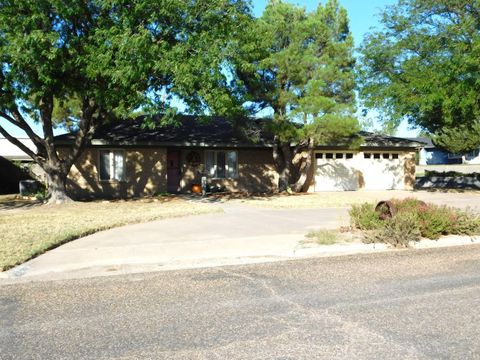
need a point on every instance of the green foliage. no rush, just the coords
(300, 65)
(123, 55)
(467, 223)
(398, 231)
(414, 219)
(436, 221)
(323, 237)
(364, 217)
(459, 139)
(423, 65)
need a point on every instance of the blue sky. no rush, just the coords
(362, 14)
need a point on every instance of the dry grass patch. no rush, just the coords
(311, 200)
(328, 237)
(27, 233)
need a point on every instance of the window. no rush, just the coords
(319, 156)
(221, 164)
(376, 156)
(367, 155)
(386, 156)
(349, 156)
(394, 156)
(329, 155)
(338, 156)
(112, 165)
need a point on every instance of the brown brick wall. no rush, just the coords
(409, 169)
(145, 174)
(256, 172)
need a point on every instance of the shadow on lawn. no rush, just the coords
(14, 202)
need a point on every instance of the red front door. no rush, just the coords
(173, 170)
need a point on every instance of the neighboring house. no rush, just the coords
(431, 155)
(125, 159)
(13, 163)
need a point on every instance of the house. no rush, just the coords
(14, 165)
(431, 155)
(126, 159)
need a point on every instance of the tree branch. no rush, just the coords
(85, 132)
(20, 122)
(21, 146)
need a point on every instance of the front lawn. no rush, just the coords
(313, 200)
(28, 232)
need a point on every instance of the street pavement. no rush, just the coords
(412, 304)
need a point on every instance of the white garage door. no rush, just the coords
(383, 171)
(340, 171)
(335, 171)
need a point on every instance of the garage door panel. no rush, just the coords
(335, 175)
(383, 174)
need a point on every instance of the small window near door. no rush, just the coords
(112, 165)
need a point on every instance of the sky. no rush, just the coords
(363, 16)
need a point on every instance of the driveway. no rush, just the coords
(238, 234)
(400, 305)
(242, 234)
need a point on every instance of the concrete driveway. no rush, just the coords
(242, 234)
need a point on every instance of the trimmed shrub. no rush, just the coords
(436, 221)
(414, 219)
(467, 223)
(364, 217)
(398, 231)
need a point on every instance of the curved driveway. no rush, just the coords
(241, 234)
(238, 233)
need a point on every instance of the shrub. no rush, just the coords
(413, 217)
(467, 223)
(364, 217)
(436, 221)
(398, 231)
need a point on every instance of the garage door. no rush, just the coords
(335, 171)
(383, 171)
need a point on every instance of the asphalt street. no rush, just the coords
(413, 304)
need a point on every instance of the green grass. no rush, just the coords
(324, 237)
(29, 232)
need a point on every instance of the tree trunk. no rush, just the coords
(303, 182)
(282, 159)
(57, 187)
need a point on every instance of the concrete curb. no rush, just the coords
(299, 252)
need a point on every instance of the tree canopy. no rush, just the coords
(424, 66)
(80, 63)
(299, 65)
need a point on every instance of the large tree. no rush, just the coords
(83, 62)
(299, 65)
(423, 66)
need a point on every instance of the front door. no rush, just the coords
(173, 170)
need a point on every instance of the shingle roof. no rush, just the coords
(426, 142)
(190, 131)
(215, 132)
